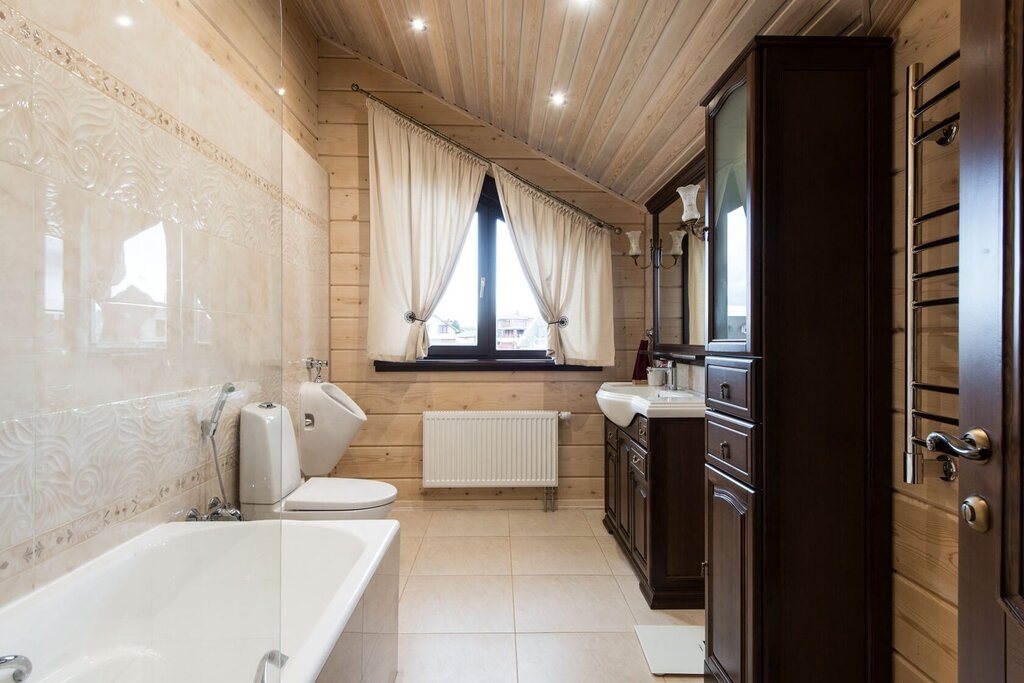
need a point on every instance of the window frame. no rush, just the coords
(489, 212)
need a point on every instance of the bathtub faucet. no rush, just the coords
(21, 665)
(216, 512)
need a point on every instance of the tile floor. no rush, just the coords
(520, 597)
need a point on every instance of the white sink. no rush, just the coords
(622, 401)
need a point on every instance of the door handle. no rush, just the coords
(974, 445)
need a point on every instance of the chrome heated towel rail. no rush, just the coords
(919, 131)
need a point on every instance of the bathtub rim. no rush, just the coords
(306, 662)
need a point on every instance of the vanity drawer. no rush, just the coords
(638, 462)
(731, 386)
(731, 446)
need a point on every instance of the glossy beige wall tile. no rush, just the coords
(150, 253)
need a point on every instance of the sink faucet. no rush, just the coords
(671, 384)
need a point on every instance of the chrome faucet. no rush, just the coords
(21, 665)
(216, 511)
(672, 383)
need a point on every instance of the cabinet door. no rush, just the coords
(731, 265)
(731, 588)
(622, 488)
(611, 482)
(639, 518)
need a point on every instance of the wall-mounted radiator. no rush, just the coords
(490, 448)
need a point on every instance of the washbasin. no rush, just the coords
(622, 401)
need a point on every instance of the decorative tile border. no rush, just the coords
(45, 44)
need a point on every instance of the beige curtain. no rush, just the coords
(568, 262)
(423, 193)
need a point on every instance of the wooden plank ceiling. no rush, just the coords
(633, 71)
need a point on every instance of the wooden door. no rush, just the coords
(639, 521)
(622, 488)
(991, 604)
(730, 586)
(611, 483)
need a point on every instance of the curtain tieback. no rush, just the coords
(411, 318)
(561, 322)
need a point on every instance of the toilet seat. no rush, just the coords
(329, 493)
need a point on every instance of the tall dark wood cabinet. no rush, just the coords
(653, 505)
(798, 430)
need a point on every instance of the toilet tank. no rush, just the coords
(268, 455)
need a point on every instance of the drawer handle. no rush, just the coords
(723, 389)
(723, 448)
(643, 429)
(636, 459)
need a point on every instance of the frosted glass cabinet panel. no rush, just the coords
(730, 237)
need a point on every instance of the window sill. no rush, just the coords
(479, 365)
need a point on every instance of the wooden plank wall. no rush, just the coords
(389, 446)
(244, 37)
(924, 516)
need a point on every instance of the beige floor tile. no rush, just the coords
(468, 523)
(547, 604)
(408, 548)
(456, 604)
(463, 555)
(540, 523)
(646, 616)
(557, 555)
(462, 658)
(615, 556)
(402, 580)
(581, 658)
(595, 518)
(414, 522)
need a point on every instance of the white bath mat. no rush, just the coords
(673, 649)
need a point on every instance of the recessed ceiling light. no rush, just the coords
(558, 99)
(124, 20)
(280, 91)
(419, 25)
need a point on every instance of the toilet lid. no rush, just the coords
(329, 493)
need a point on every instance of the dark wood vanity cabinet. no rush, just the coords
(798, 373)
(653, 505)
(732, 589)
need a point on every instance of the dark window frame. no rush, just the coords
(489, 212)
(483, 356)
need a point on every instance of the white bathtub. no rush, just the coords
(205, 601)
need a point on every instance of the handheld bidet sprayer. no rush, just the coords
(210, 426)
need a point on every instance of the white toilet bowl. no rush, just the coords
(271, 485)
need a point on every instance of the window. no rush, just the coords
(488, 311)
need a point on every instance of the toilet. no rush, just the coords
(272, 463)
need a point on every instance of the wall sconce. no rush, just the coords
(675, 251)
(692, 221)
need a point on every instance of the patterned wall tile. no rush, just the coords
(19, 259)
(16, 65)
(17, 445)
(89, 468)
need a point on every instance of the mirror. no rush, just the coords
(678, 282)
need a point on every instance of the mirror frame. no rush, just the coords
(692, 173)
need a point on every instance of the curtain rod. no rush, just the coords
(591, 217)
